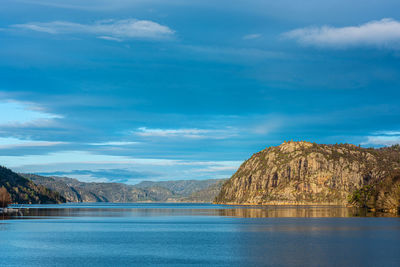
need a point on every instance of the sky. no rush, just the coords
(125, 91)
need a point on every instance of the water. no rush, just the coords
(197, 235)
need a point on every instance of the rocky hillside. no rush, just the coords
(308, 173)
(167, 191)
(76, 191)
(183, 188)
(24, 191)
(207, 194)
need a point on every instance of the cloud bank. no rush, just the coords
(383, 138)
(114, 30)
(193, 133)
(10, 142)
(90, 167)
(20, 113)
(383, 33)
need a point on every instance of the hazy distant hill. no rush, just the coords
(208, 193)
(182, 188)
(24, 191)
(173, 191)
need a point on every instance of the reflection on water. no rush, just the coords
(106, 234)
(185, 209)
(299, 212)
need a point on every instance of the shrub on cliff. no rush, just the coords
(382, 196)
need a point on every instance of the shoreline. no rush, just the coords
(285, 204)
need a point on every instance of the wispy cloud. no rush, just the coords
(10, 142)
(86, 157)
(109, 38)
(105, 175)
(87, 166)
(378, 33)
(251, 36)
(81, 157)
(233, 54)
(115, 30)
(186, 133)
(218, 168)
(21, 113)
(116, 143)
(387, 133)
(88, 5)
(383, 138)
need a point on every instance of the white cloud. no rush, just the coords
(73, 161)
(82, 157)
(383, 138)
(219, 168)
(388, 133)
(191, 133)
(380, 33)
(109, 38)
(115, 30)
(10, 142)
(19, 113)
(91, 158)
(251, 36)
(186, 133)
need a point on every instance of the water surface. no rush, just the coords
(197, 235)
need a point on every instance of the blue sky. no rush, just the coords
(126, 91)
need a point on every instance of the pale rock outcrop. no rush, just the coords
(302, 173)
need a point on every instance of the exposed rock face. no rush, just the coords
(306, 173)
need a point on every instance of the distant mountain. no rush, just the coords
(168, 191)
(76, 191)
(302, 173)
(24, 191)
(183, 188)
(207, 194)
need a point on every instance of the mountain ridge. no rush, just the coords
(147, 191)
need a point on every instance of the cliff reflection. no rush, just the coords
(150, 210)
(293, 211)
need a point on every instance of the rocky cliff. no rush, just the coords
(303, 173)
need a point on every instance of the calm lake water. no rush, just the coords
(197, 235)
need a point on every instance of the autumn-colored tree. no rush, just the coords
(5, 198)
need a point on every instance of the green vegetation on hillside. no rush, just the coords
(381, 196)
(24, 191)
